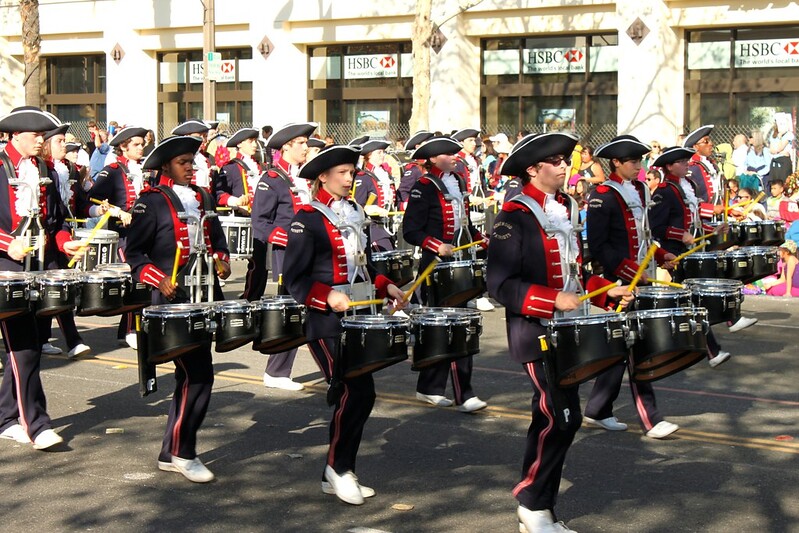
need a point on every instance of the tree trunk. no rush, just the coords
(31, 44)
(420, 42)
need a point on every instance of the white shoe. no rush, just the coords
(78, 351)
(435, 399)
(192, 469)
(282, 383)
(662, 429)
(742, 323)
(344, 486)
(366, 492)
(720, 358)
(472, 404)
(484, 304)
(132, 340)
(46, 439)
(611, 423)
(401, 314)
(16, 432)
(49, 349)
(539, 522)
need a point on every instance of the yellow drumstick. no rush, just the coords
(667, 283)
(101, 202)
(703, 237)
(419, 280)
(77, 220)
(395, 213)
(465, 246)
(739, 204)
(217, 262)
(726, 203)
(29, 249)
(175, 264)
(358, 303)
(647, 258)
(599, 291)
(224, 208)
(754, 202)
(689, 252)
(371, 199)
(100, 223)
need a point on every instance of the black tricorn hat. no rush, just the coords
(170, 148)
(313, 142)
(534, 148)
(622, 147)
(416, 139)
(371, 146)
(289, 132)
(126, 133)
(191, 126)
(242, 135)
(329, 157)
(212, 124)
(61, 130)
(672, 154)
(697, 135)
(28, 118)
(437, 146)
(358, 141)
(464, 134)
(73, 147)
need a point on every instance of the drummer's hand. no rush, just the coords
(622, 294)
(16, 250)
(101, 209)
(687, 238)
(718, 209)
(167, 288)
(398, 296)
(445, 250)
(668, 261)
(567, 301)
(123, 216)
(722, 228)
(243, 200)
(75, 249)
(338, 301)
(223, 269)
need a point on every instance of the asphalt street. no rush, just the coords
(732, 467)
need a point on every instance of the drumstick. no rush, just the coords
(689, 252)
(703, 237)
(76, 220)
(419, 281)
(371, 199)
(217, 262)
(178, 248)
(101, 202)
(395, 213)
(726, 203)
(100, 223)
(647, 258)
(599, 291)
(246, 187)
(465, 246)
(757, 199)
(667, 283)
(224, 208)
(739, 204)
(358, 303)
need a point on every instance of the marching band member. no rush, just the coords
(205, 176)
(618, 238)
(702, 168)
(23, 406)
(323, 259)
(375, 179)
(154, 234)
(527, 270)
(413, 170)
(118, 185)
(239, 171)
(314, 147)
(468, 164)
(278, 197)
(437, 220)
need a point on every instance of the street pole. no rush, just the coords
(209, 45)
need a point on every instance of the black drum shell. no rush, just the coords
(739, 265)
(55, 299)
(169, 337)
(367, 350)
(236, 327)
(661, 338)
(438, 342)
(721, 242)
(720, 307)
(678, 364)
(662, 300)
(772, 232)
(701, 266)
(572, 363)
(14, 298)
(764, 263)
(137, 296)
(280, 329)
(238, 234)
(451, 285)
(100, 296)
(751, 233)
(396, 267)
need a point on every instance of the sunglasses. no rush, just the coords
(556, 160)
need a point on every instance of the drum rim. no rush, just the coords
(588, 319)
(447, 310)
(176, 310)
(234, 221)
(7, 276)
(440, 320)
(101, 275)
(656, 290)
(719, 282)
(392, 253)
(233, 306)
(679, 311)
(278, 301)
(375, 321)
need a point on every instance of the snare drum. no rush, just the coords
(441, 334)
(721, 297)
(720, 241)
(54, 292)
(237, 323)
(454, 283)
(100, 292)
(739, 264)
(661, 335)
(396, 265)
(702, 265)
(751, 233)
(172, 330)
(580, 348)
(238, 233)
(137, 294)
(281, 324)
(764, 261)
(772, 232)
(14, 289)
(657, 297)
(473, 331)
(102, 250)
(372, 342)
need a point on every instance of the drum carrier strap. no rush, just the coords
(643, 225)
(31, 228)
(442, 188)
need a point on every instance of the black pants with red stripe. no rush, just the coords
(194, 379)
(433, 379)
(547, 444)
(606, 389)
(351, 411)
(257, 273)
(22, 397)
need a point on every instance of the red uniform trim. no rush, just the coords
(278, 237)
(61, 238)
(381, 285)
(317, 297)
(151, 275)
(431, 244)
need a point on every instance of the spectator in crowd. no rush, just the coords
(81, 157)
(652, 179)
(740, 149)
(149, 142)
(489, 157)
(733, 186)
(777, 189)
(657, 149)
(521, 134)
(781, 147)
(787, 284)
(758, 158)
(329, 140)
(590, 170)
(502, 147)
(757, 212)
(100, 152)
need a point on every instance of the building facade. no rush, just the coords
(652, 68)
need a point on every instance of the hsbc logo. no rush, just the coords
(388, 62)
(554, 60)
(792, 48)
(370, 66)
(573, 56)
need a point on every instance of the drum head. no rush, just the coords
(175, 310)
(280, 301)
(373, 321)
(233, 306)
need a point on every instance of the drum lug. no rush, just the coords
(449, 334)
(145, 325)
(705, 327)
(210, 325)
(33, 295)
(390, 337)
(576, 335)
(553, 337)
(673, 325)
(363, 338)
(628, 334)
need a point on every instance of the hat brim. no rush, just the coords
(169, 149)
(371, 146)
(126, 134)
(622, 147)
(697, 135)
(418, 138)
(241, 136)
(464, 134)
(316, 143)
(190, 127)
(61, 130)
(438, 146)
(329, 157)
(289, 132)
(28, 119)
(672, 154)
(533, 149)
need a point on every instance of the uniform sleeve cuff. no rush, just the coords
(317, 297)
(660, 255)
(381, 285)
(674, 234)
(431, 244)
(706, 211)
(223, 257)
(479, 237)
(539, 301)
(594, 283)
(61, 238)
(626, 270)
(151, 275)
(5, 240)
(279, 237)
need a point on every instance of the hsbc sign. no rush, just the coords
(370, 66)
(767, 53)
(554, 60)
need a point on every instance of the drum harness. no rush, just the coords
(30, 228)
(642, 227)
(696, 221)
(464, 218)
